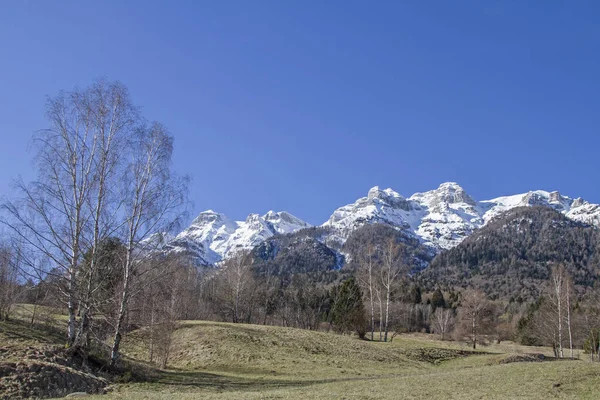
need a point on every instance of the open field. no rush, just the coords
(224, 361)
(212, 360)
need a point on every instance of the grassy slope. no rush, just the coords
(224, 361)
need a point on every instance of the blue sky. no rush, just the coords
(304, 105)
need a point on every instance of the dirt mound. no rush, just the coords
(435, 355)
(45, 380)
(43, 373)
(515, 358)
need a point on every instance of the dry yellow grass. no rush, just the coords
(235, 361)
(226, 361)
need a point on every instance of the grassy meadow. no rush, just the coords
(234, 361)
(211, 360)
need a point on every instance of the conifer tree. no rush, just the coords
(348, 313)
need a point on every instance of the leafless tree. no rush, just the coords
(152, 200)
(560, 293)
(163, 299)
(8, 281)
(392, 267)
(102, 172)
(367, 278)
(590, 323)
(544, 327)
(62, 214)
(237, 287)
(442, 321)
(379, 294)
(475, 316)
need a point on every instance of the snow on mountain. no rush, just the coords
(440, 218)
(444, 217)
(451, 215)
(213, 237)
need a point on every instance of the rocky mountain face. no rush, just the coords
(440, 219)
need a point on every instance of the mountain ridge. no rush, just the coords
(440, 218)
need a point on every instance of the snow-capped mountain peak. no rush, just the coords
(284, 222)
(447, 193)
(213, 237)
(445, 216)
(440, 218)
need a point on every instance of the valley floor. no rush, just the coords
(212, 360)
(226, 361)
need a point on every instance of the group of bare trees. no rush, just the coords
(380, 269)
(103, 173)
(238, 292)
(562, 318)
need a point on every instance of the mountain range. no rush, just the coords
(440, 219)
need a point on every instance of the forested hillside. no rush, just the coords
(512, 255)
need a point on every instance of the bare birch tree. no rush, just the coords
(559, 294)
(391, 269)
(236, 283)
(102, 173)
(442, 321)
(53, 214)
(152, 197)
(367, 266)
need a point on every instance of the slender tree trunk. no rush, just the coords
(35, 303)
(569, 322)
(592, 346)
(71, 308)
(371, 301)
(558, 285)
(380, 317)
(152, 331)
(387, 314)
(114, 354)
(474, 331)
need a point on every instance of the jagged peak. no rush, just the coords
(376, 192)
(253, 218)
(209, 216)
(447, 192)
(450, 185)
(271, 214)
(578, 202)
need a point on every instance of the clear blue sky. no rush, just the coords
(304, 105)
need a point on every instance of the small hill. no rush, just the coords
(270, 350)
(512, 255)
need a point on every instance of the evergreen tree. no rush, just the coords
(348, 313)
(437, 299)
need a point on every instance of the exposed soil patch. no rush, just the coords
(436, 355)
(43, 373)
(515, 358)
